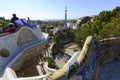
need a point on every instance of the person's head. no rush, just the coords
(28, 18)
(14, 15)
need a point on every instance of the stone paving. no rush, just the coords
(59, 62)
(71, 48)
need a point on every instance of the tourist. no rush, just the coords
(11, 28)
(28, 20)
(13, 19)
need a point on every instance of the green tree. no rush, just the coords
(3, 23)
(51, 63)
(58, 43)
(105, 25)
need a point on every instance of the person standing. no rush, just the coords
(13, 19)
(28, 20)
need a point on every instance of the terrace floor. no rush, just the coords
(110, 70)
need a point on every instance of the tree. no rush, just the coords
(51, 63)
(3, 23)
(58, 43)
(69, 36)
(105, 25)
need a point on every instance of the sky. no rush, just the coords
(54, 9)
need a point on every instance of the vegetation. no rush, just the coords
(73, 69)
(105, 25)
(51, 63)
(62, 38)
(3, 23)
(58, 44)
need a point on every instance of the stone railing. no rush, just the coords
(67, 71)
(73, 59)
(26, 53)
(19, 54)
(106, 49)
(86, 65)
(92, 55)
(13, 43)
(11, 75)
(108, 46)
(17, 62)
(49, 69)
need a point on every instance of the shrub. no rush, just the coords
(51, 63)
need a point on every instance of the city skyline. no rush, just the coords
(54, 9)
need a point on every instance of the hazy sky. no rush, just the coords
(54, 9)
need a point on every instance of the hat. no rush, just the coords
(11, 24)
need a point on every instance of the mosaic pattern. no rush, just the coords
(101, 51)
(4, 52)
(26, 36)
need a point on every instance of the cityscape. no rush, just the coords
(61, 45)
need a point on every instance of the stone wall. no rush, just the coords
(25, 37)
(14, 43)
(87, 60)
(108, 46)
(85, 67)
(80, 68)
(106, 49)
(26, 55)
(92, 55)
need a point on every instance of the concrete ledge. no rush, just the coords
(72, 59)
(87, 50)
(49, 69)
(9, 74)
(60, 74)
(33, 78)
(63, 72)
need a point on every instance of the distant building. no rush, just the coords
(59, 28)
(70, 25)
(83, 20)
(65, 24)
(2, 18)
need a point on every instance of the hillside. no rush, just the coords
(104, 25)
